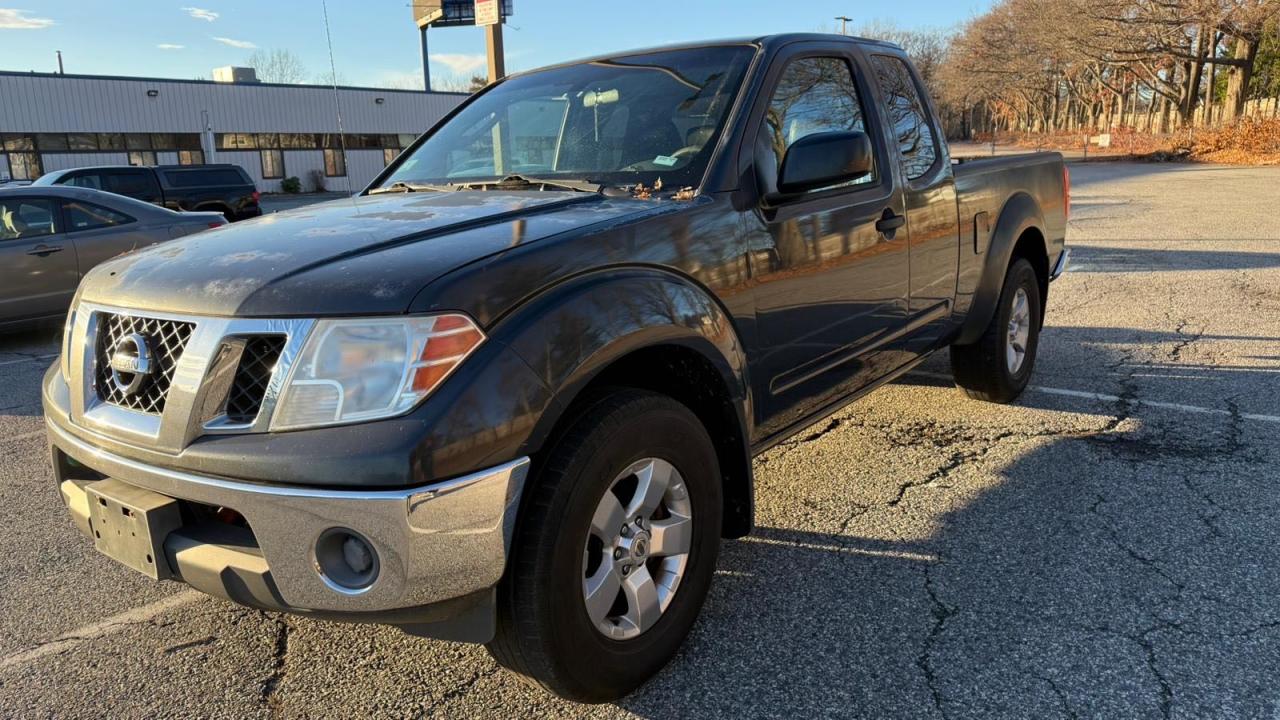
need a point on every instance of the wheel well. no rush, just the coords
(1031, 246)
(688, 377)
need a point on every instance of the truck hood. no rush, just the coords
(355, 256)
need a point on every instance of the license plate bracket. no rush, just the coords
(130, 524)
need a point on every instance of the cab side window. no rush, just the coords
(92, 181)
(907, 115)
(24, 218)
(83, 215)
(815, 94)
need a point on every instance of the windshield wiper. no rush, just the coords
(401, 186)
(521, 182)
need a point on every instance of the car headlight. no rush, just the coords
(352, 370)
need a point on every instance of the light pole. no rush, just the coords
(844, 24)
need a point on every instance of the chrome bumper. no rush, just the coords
(435, 543)
(1060, 266)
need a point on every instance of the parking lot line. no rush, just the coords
(113, 624)
(1103, 397)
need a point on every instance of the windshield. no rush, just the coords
(622, 121)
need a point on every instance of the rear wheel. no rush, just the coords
(615, 550)
(998, 366)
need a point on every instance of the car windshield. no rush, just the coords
(621, 121)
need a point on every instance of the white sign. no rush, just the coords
(487, 12)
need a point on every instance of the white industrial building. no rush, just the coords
(54, 121)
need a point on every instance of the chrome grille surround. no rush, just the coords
(196, 400)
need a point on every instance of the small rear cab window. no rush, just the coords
(204, 178)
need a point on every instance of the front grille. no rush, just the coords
(165, 340)
(257, 363)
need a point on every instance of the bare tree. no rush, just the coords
(278, 66)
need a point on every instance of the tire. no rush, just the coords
(544, 632)
(983, 370)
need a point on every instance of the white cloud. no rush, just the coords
(11, 19)
(242, 44)
(461, 64)
(170, 46)
(201, 14)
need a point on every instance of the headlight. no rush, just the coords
(352, 370)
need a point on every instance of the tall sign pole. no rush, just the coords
(489, 15)
(426, 61)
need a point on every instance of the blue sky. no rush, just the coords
(376, 43)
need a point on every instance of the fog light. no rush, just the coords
(346, 560)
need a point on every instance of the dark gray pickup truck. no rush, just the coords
(510, 393)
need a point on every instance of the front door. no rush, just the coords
(830, 288)
(38, 271)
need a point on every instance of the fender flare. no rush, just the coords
(570, 333)
(1020, 213)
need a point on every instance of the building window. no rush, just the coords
(19, 143)
(190, 157)
(389, 154)
(81, 142)
(273, 164)
(111, 141)
(137, 141)
(51, 142)
(4, 168)
(335, 163)
(25, 165)
(236, 141)
(142, 157)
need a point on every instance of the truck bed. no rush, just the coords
(983, 187)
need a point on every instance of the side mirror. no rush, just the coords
(823, 159)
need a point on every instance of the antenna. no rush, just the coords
(337, 98)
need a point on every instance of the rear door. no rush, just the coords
(38, 270)
(830, 288)
(930, 193)
(101, 233)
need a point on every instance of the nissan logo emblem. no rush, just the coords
(130, 363)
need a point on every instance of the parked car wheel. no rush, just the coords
(615, 551)
(998, 366)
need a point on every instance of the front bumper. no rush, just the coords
(441, 547)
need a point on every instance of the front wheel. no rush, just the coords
(615, 549)
(998, 366)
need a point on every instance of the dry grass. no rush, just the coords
(1252, 141)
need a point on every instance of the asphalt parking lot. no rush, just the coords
(1108, 546)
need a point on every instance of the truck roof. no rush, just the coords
(764, 41)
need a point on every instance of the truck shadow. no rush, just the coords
(1091, 574)
(1120, 259)
(1120, 571)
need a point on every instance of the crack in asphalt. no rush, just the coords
(455, 692)
(280, 656)
(1063, 702)
(941, 613)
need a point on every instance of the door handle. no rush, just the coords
(889, 223)
(44, 250)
